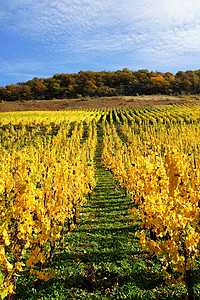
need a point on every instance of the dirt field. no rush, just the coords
(99, 103)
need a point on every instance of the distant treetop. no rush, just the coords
(99, 84)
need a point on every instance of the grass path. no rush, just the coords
(102, 248)
(101, 259)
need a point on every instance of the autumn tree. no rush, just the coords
(38, 88)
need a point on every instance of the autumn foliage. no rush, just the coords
(99, 84)
(47, 168)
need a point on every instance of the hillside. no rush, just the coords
(97, 103)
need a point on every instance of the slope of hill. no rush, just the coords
(97, 103)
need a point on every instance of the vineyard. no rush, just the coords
(100, 204)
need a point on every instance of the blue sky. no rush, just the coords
(40, 38)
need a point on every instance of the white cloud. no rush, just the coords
(152, 28)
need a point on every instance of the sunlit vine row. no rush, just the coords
(42, 187)
(159, 168)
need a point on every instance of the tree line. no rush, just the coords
(104, 83)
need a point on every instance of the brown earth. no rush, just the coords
(98, 103)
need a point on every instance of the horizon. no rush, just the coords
(41, 39)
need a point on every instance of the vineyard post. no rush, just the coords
(188, 275)
(194, 155)
(53, 244)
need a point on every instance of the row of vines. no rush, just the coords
(154, 156)
(47, 168)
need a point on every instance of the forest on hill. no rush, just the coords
(104, 83)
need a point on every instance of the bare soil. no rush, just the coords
(98, 103)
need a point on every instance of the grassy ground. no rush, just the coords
(101, 259)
